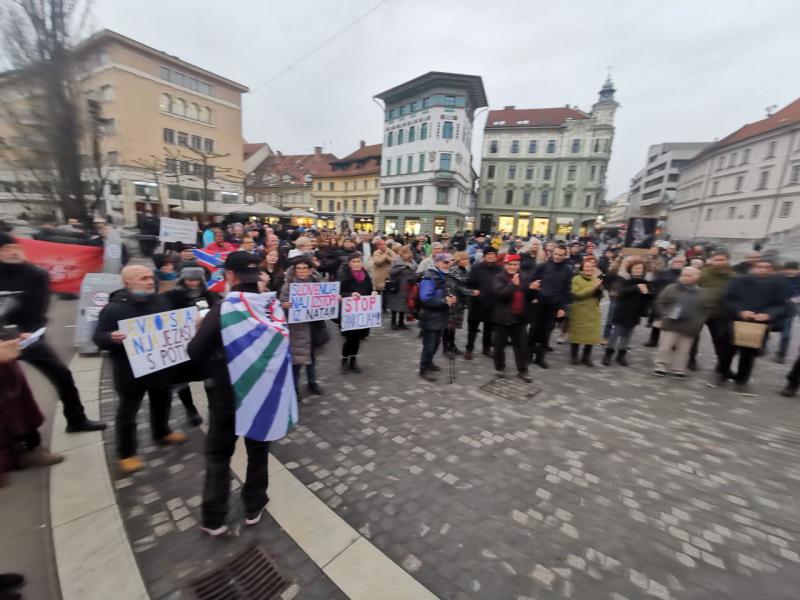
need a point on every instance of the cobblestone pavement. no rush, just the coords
(607, 483)
(160, 507)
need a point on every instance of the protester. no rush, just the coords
(632, 301)
(790, 277)
(302, 247)
(509, 291)
(207, 348)
(682, 308)
(219, 245)
(426, 264)
(402, 276)
(714, 281)
(329, 259)
(661, 280)
(530, 258)
(553, 280)
(382, 258)
(274, 271)
(165, 268)
(457, 286)
(138, 298)
(300, 334)
(434, 312)
(355, 281)
(584, 312)
(481, 279)
(750, 260)
(26, 308)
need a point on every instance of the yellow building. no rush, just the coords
(346, 191)
(171, 128)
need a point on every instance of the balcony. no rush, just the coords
(441, 177)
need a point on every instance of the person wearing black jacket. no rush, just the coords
(355, 281)
(509, 290)
(662, 279)
(632, 300)
(758, 297)
(139, 298)
(206, 348)
(434, 313)
(552, 280)
(480, 278)
(25, 305)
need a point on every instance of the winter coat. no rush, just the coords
(299, 333)
(434, 312)
(664, 278)
(19, 413)
(759, 295)
(349, 286)
(584, 312)
(458, 286)
(502, 298)
(180, 297)
(381, 265)
(402, 277)
(481, 278)
(27, 310)
(555, 282)
(276, 280)
(527, 264)
(683, 309)
(714, 282)
(631, 304)
(330, 260)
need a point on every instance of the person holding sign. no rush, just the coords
(139, 298)
(355, 282)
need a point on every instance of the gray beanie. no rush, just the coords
(192, 273)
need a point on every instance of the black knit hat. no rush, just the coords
(6, 238)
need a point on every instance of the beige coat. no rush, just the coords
(381, 265)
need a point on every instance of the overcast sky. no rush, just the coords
(684, 70)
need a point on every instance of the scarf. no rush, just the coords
(359, 276)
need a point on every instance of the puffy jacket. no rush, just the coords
(434, 310)
(556, 282)
(759, 295)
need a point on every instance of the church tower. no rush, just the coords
(603, 110)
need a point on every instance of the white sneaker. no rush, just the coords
(222, 530)
(250, 521)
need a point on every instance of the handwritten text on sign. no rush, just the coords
(361, 313)
(177, 230)
(313, 301)
(158, 341)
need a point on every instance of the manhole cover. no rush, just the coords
(250, 575)
(511, 388)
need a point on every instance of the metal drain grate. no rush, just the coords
(250, 575)
(511, 388)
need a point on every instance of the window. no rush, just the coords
(183, 139)
(714, 188)
(426, 102)
(763, 180)
(490, 172)
(423, 131)
(193, 111)
(386, 194)
(515, 147)
(414, 108)
(319, 188)
(449, 100)
(230, 198)
(398, 166)
(418, 195)
(421, 164)
(544, 198)
(488, 196)
(576, 146)
(171, 165)
(739, 183)
(786, 210)
(185, 165)
(493, 147)
(593, 172)
(597, 148)
(571, 172)
(526, 197)
(754, 211)
(732, 159)
(551, 146)
(331, 205)
(447, 130)
(179, 107)
(512, 171)
(567, 198)
(169, 136)
(532, 147)
(444, 161)
(388, 166)
(396, 195)
(412, 134)
(109, 127)
(113, 158)
(345, 189)
(197, 142)
(441, 195)
(509, 196)
(389, 138)
(528, 173)
(794, 174)
(720, 163)
(209, 172)
(771, 150)
(588, 200)
(407, 196)
(208, 145)
(731, 212)
(165, 103)
(548, 173)
(330, 187)
(709, 212)
(399, 136)
(746, 156)
(410, 164)
(205, 114)
(175, 192)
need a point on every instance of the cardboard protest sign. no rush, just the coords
(158, 341)
(177, 230)
(313, 301)
(361, 313)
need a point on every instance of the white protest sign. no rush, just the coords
(158, 341)
(313, 301)
(178, 230)
(361, 313)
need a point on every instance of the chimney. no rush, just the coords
(317, 150)
(362, 143)
(509, 107)
(279, 153)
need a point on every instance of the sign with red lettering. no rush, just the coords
(361, 312)
(313, 301)
(65, 263)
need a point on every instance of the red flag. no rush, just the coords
(66, 263)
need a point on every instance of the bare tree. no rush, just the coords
(37, 37)
(208, 171)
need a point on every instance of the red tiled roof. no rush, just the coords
(788, 115)
(364, 161)
(535, 117)
(280, 170)
(250, 149)
(363, 152)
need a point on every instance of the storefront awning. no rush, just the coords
(299, 212)
(564, 220)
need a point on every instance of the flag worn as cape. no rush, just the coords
(256, 340)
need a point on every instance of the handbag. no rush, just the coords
(747, 334)
(319, 334)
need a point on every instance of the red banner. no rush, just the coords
(66, 263)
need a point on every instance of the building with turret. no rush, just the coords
(543, 170)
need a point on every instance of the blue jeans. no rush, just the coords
(620, 337)
(609, 315)
(786, 332)
(430, 344)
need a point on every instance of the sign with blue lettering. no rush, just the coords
(158, 341)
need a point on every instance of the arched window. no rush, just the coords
(205, 114)
(179, 107)
(166, 103)
(193, 111)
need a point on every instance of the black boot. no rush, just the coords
(354, 368)
(345, 364)
(573, 352)
(655, 333)
(586, 358)
(790, 391)
(314, 389)
(607, 356)
(621, 360)
(427, 375)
